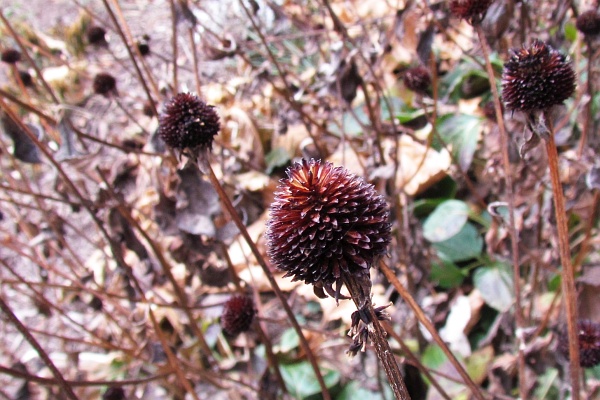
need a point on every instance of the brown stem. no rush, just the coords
(512, 228)
(259, 258)
(64, 385)
(422, 318)
(568, 275)
(378, 337)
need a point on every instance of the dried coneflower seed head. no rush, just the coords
(11, 56)
(326, 225)
(417, 79)
(589, 343)
(472, 10)
(105, 84)
(143, 47)
(188, 122)
(588, 23)
(237, 316)
(536, 78)
(26, 78)
(96, 35)
(114, 393)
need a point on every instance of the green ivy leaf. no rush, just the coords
(301, 381)
(496, 286)
(465, 245)
(446, 221)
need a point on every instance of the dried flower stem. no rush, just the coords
(378, 337)
(422, 318)
(512, 228)
(64, 385)
(290, 314)
(568, 278)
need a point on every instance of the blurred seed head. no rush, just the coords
(188, 122)
(26, 78)
(326, 224)
(114, 393)
(237, 316)
(589, 343)
(96, 35)
(471, 10)
(105, 84)
(536, 78)
(588, 23)
(11, 56)
(417, 79)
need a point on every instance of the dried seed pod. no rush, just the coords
(588, 23)
(26, 78)
(188, 122)
(326, 225)
(105, 84)
(96, 35)
(589, 343)
(11, 56)
(237, 316)
(417, 79)
(114, 393)
(472, 10)
(536, 78)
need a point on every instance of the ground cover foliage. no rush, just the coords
(124, 276)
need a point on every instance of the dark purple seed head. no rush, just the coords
(588, 23)
(536, 78)
(589, 343)
(471, 10)
(326, 224)
(105, 84)
(188, 122)
(417, 79)
(11, 56)
(237, 316)
(96, 35)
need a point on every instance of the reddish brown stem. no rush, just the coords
(422, 318)
(568, 274)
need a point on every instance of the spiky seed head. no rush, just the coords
(471, 10)
(589, 343)
(11, 56)
(588, 23)
(326, 222)
(536, 78)
(188, 122)
(417, 79)
(237, 316)
(105, 84)
(96, 35)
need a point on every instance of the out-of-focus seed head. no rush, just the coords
(188, 122)
(11, 56)
(96, 35)
(536, 78)
(417, 79)
(114, 393)
(471, 10)
(324, 223)
(589, 343)
(143, 47)
(105, 84)
(588, 23)
(26, 78)
(237, 316)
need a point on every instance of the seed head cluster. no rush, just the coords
(417, 79)
(326, 225)
(472, 10)
(237, 316)
(188, 122)
(536, 78)
(589, 343)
